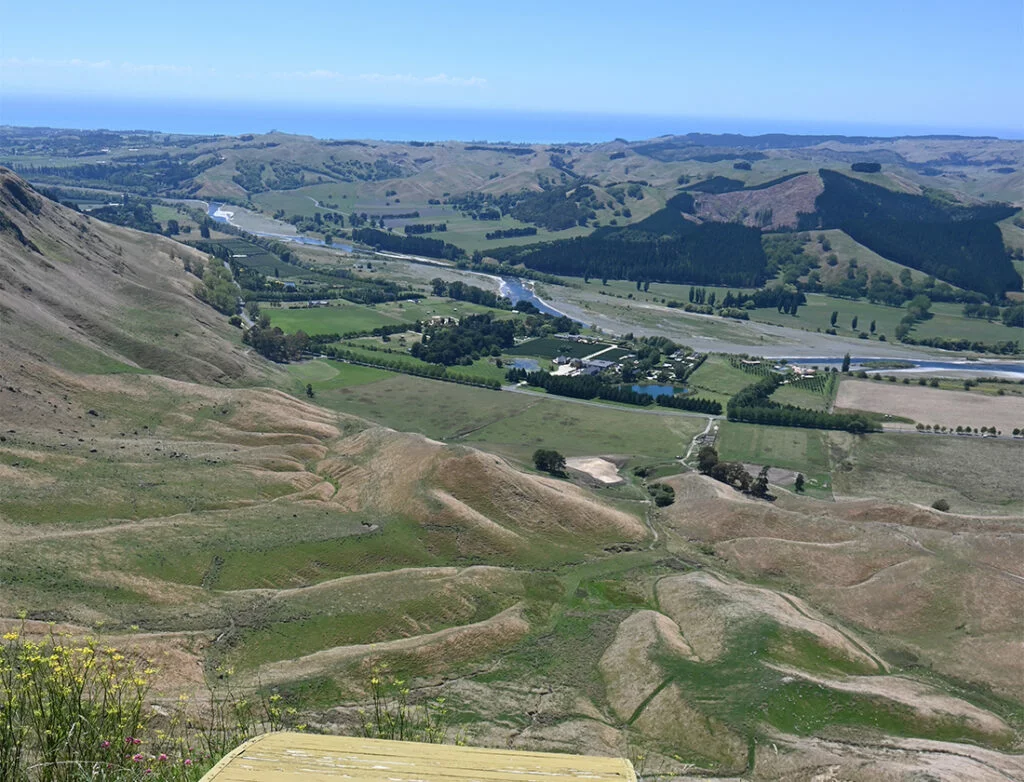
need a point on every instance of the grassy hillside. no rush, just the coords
(180, 497)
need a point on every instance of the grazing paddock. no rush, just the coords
(932, 405)
(975, 476)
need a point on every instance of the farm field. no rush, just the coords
(513, 425)
(816, 315)
(342, 316)
(336, 318)
(802, 394)
(800, 450)
(974, 475)
(550, 347)
(326, 375)
(717, 379)
(947, 320)
(485, 368)
(933, 405)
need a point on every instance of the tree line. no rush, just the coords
(754, 405)
(460, 291)
(596, 387)
(409, 245)
(424, 228)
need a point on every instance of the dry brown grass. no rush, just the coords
(709, 607)
(932, 405)
(786, 200)
(435, 652)
(950, 588)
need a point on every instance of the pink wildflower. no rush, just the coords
(104, 745)
(138, 758)
(188, 761)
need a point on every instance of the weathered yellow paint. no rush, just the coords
(301, 757)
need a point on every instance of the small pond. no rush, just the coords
(657, 391)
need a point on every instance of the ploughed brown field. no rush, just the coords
(933, 405)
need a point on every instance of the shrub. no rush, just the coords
(942, 505)
(663, 494)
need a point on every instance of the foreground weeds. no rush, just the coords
(73, 710)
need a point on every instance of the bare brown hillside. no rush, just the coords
(785, 200)
(80, 294)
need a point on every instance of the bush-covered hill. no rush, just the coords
(957, 243)
(665, 247)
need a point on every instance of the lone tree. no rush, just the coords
(834, 318)
(846, 363)
(309, 390)
(550, 461)
(759, 488)
(798, 484)
(707, 458)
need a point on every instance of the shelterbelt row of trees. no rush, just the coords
(596, 387)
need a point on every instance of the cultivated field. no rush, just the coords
(933, 405)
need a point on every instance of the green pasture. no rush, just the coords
(846, 248)
(717, 379)
(947, 320)
(338, 318)
(512, 424)
(789, 448)
(552, 347)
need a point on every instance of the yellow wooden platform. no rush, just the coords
(301, 757)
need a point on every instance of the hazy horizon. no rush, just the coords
(916, 67)
(401, 123)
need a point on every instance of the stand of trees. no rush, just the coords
(410, 245)
(473, 337)
(550, 461)
(511, 233)
(664, 247)
(271, 342)
(425, 228)
(460, 291)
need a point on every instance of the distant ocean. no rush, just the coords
(408, 124)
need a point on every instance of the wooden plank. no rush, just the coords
(301, 757)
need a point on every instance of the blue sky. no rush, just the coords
(936, 64)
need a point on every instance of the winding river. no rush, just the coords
(516, 290)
